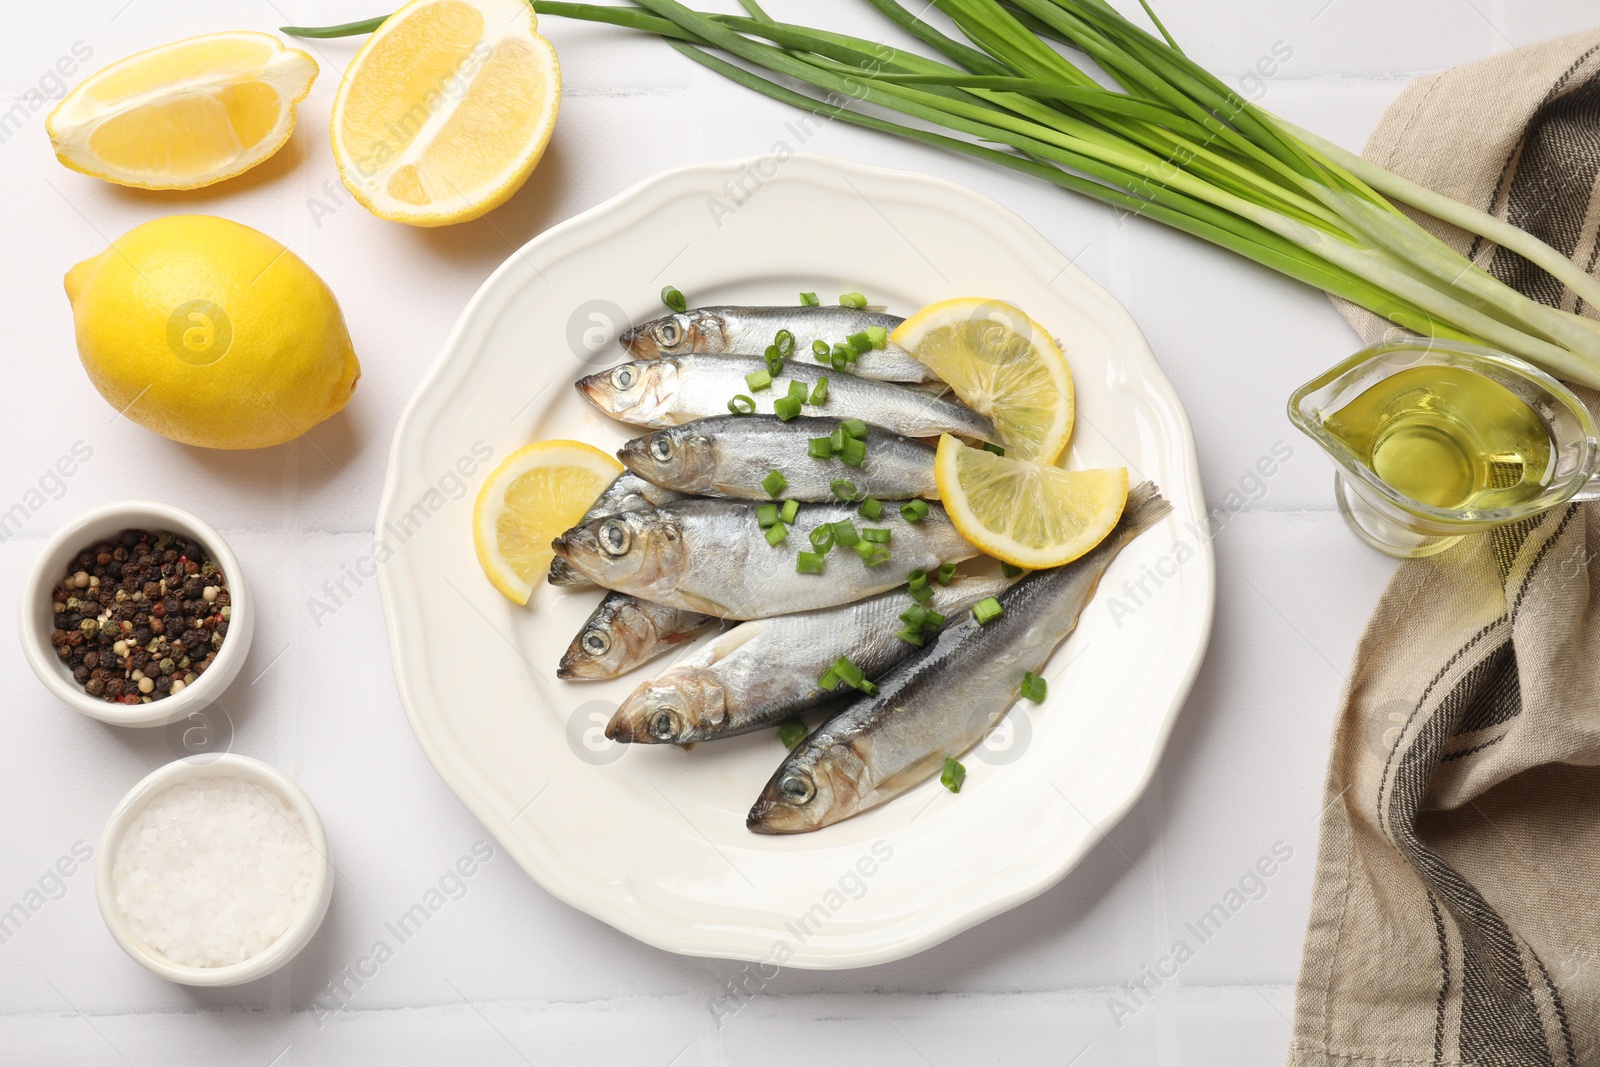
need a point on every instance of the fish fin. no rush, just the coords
(1145, 507)
(704, 605)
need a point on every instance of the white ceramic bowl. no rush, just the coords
(300, 929)
(35, 619)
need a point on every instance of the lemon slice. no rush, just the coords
(446, 110)
(185, 114)
(1030, 515)
(1000, 363)
(536, 495)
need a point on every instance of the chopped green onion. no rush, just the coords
(987, 610)
(848, 672)
(872, 555)
(784, 342)
(843, 489)
(774, 483)
(787, 407)
(841, 357)
(776, 533)
(868, 688)
(917, 579)
(921, 594)
(854, 451)
(933, 622)
(1008, 570)
(859, 341)
(915, 615)
(914, 510)
(791, 508)
(819, 395)
(878, 335)
(808, 562)
(996, 449)
(837, 438)
(947, 571)
(821, 350)
(822, 538)
(871, 509)
(829, 680)
(797, 389)
(774, 360)
(910, 636)
(792, 733)
(875, 534)
(844, 534)
(1033, 688)
(809, 300)
(758, 380)
(742, 405)
(953, 775)
(674, 299)
(766, 515)
(854, 427)
(852, 300)
(819, 448)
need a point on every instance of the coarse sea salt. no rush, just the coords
(212, 871)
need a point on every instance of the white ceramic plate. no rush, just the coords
(652, 839)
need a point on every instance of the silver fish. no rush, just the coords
(711, 556)
(940, 702)
(627, 492)
(625, 632)
(676, 389)
(765, 672)
(747, 331)
(728, 455)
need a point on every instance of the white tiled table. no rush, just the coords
(506, 974)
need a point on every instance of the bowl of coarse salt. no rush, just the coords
(213, 871)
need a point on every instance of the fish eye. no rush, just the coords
(796, 788)
(663, 724)
(622, 377)
(661, 447)
(669, 333)
(614, 537)
(596, 642)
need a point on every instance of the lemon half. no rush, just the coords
(1000, 363)
(185, 114)
(1030, 515)
(446, 110)
(536, 495)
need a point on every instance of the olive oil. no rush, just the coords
(1448, 437)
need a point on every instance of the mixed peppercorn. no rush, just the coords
(140, 616)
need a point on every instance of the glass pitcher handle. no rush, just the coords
(1590, 490)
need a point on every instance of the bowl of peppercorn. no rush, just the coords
(136, 614)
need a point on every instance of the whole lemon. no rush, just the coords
(211, 333)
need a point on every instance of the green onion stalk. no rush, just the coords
(1170, 143)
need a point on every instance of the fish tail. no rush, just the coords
(1145, 507)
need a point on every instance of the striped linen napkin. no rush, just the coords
(1455, 918)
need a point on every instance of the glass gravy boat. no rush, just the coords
(1392, 522)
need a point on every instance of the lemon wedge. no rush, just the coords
(446, 110)
(537, 494)
(1000, 363)
(1029, 514)
(185, 114)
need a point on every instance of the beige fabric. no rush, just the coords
(1456, 913)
